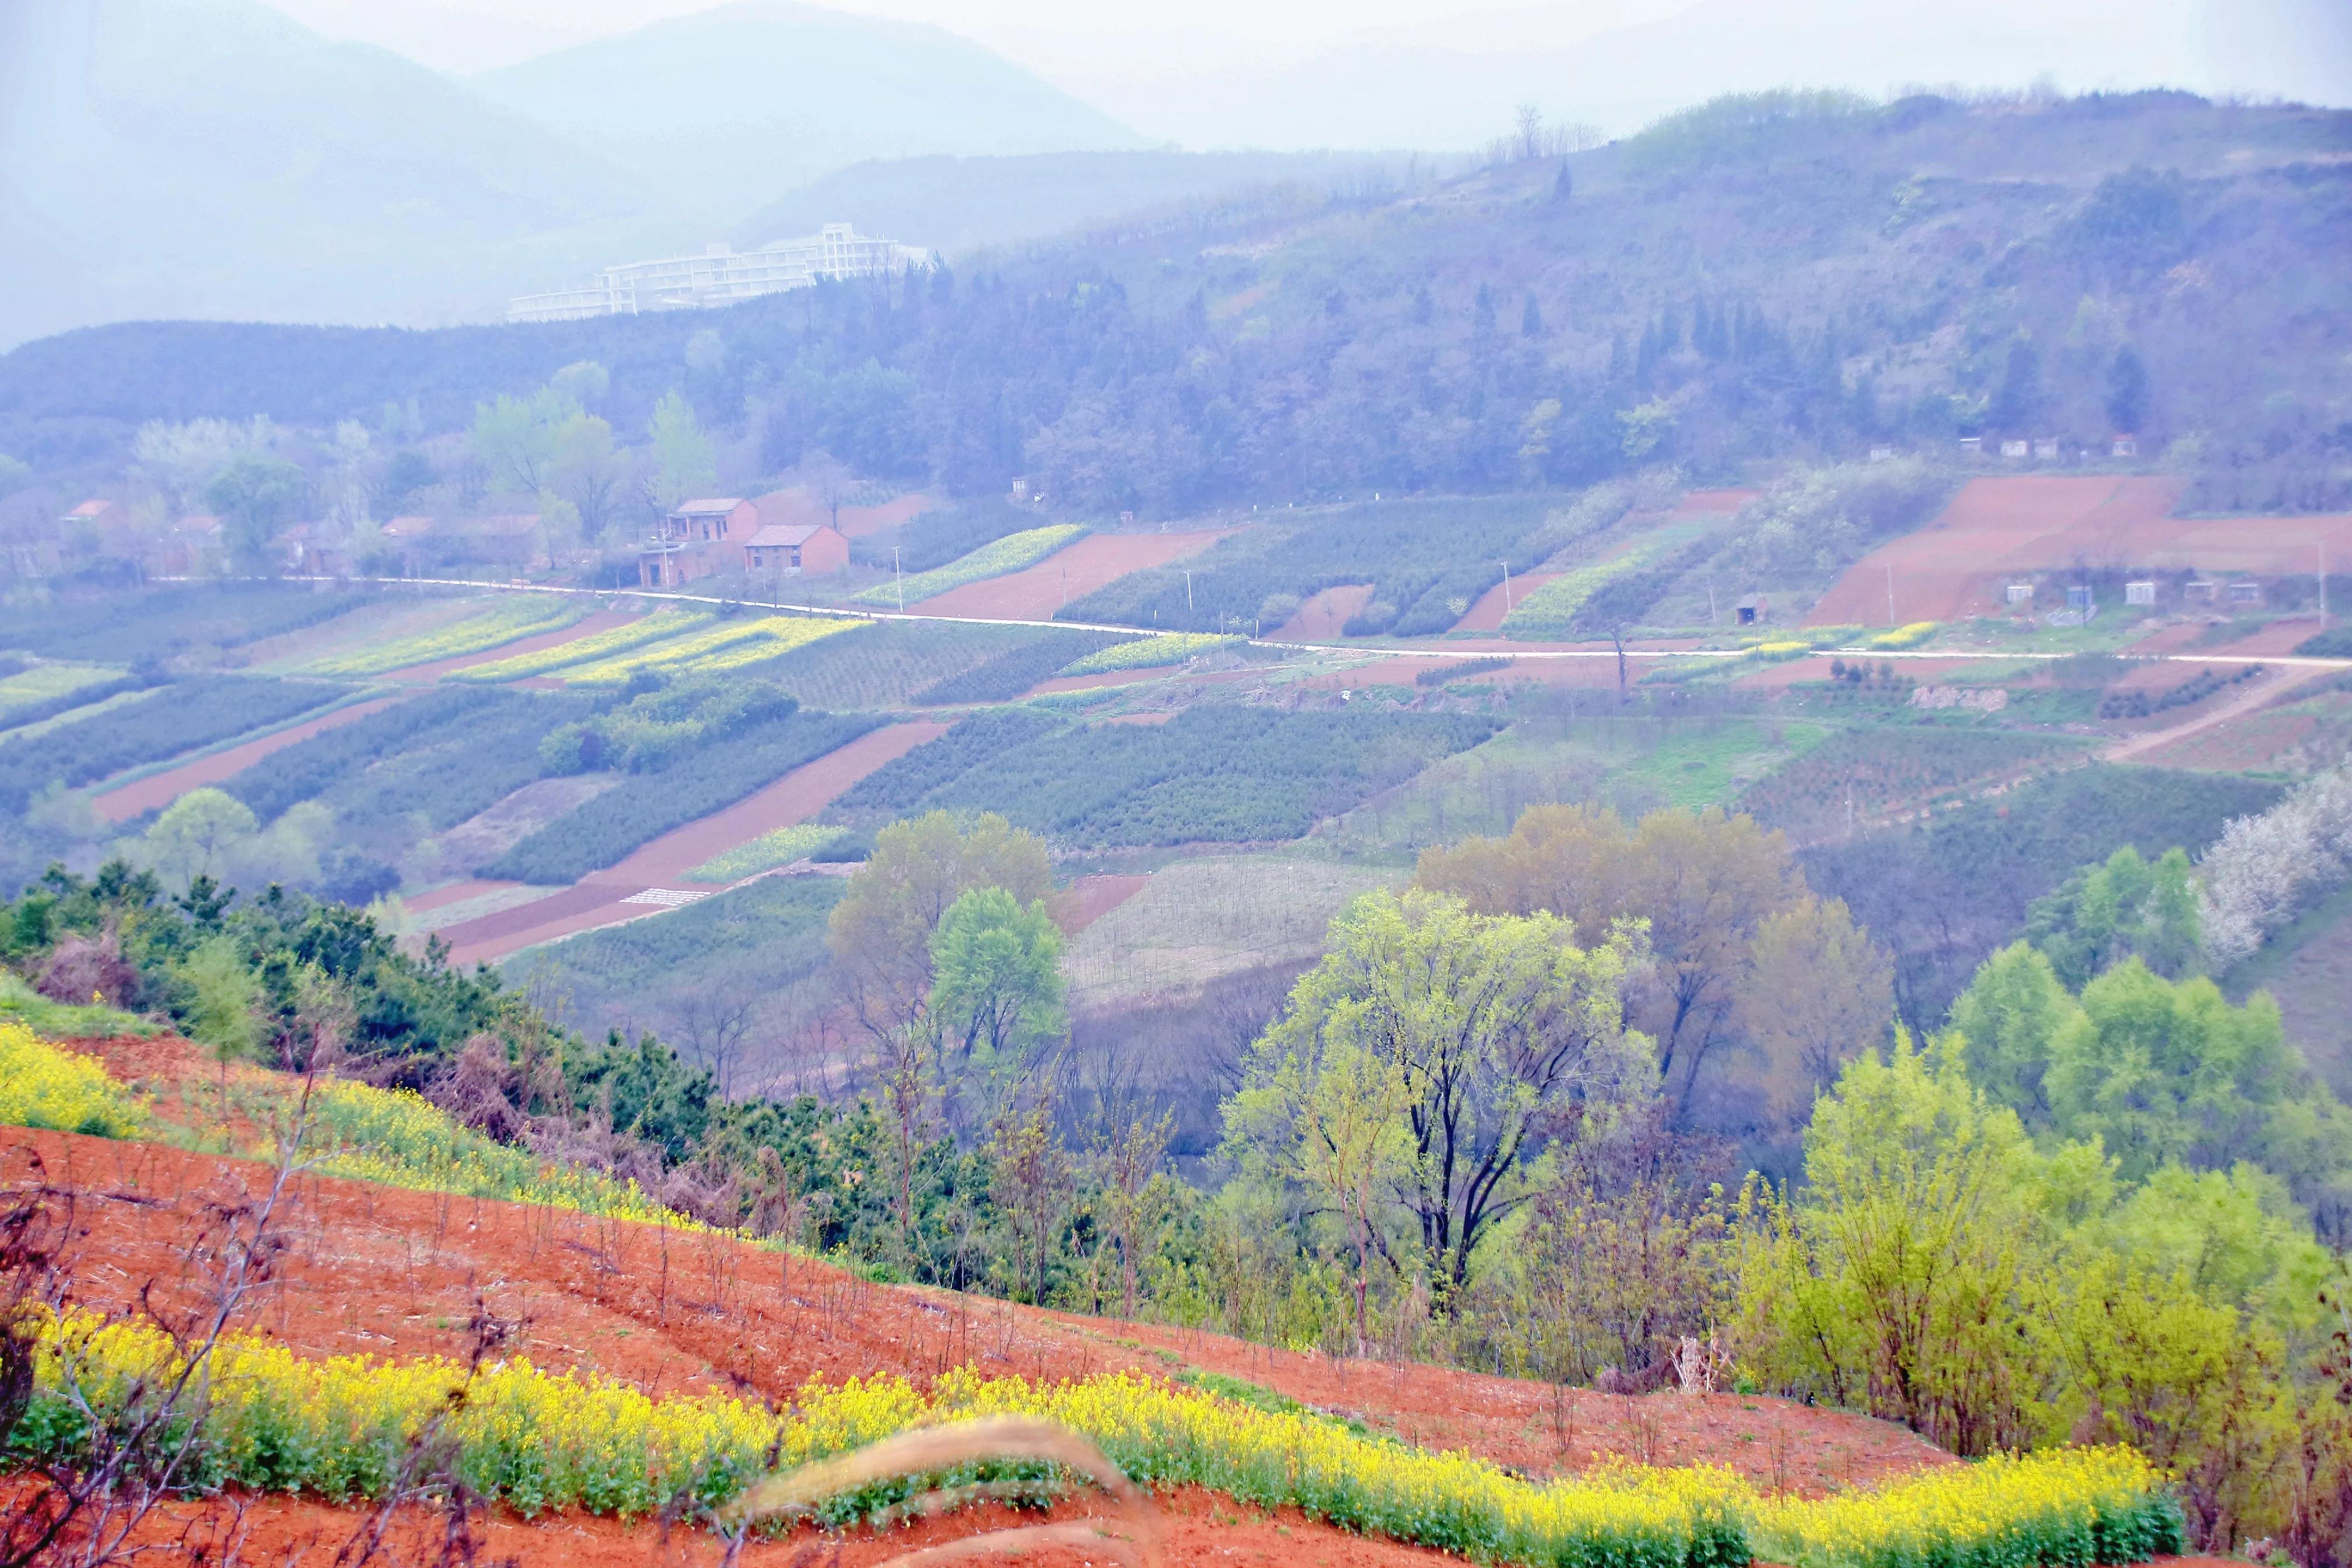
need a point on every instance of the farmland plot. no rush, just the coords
(883, 664)
(162, 724)
(1428, 561)
(500, 620)
(1879, 771)
(195, 621)
(1213, 774)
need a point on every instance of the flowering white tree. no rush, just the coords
(2265, 869)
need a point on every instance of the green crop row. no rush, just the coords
(1151, 653)
(1009, 553)
(656, 627)
(502, 620)
(1215, 774)
(779, 846)
(643, 806)
(181, 717)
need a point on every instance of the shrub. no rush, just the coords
(1438, 675)
(601, 831)
(402, 1140)
(1009, 553)
(502, 620)
(42, 1085)
(1151, 653)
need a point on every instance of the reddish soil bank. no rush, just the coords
(1324, 616)
(1035, 592)
(392, 1272)
(1545, 1430)
(1486, 615)
(600, 899)
(1088, 899)
(1196, 1528)
(162, 789)
(586, 626)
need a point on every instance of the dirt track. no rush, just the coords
(599, 899)
(157, 790)
(1035, 592)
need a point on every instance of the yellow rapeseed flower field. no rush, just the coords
(42, 1085)
(536, 1440)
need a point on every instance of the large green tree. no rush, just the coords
(1498, 1030)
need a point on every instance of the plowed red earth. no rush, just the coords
(601, 900)
(1995, 530)
(1324, 616)
(1486, 613)
(1088, 899)
(392, 1273)
(1035, 592)
(158, 790)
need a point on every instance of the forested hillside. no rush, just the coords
(1786, 275)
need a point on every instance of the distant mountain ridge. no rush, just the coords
(213, 159)
(732, 104)
(959, 205)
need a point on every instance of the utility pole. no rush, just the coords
(1890, 593)
(1506, 584)
(1710, 604)
(1187, 590)
(2323, 585)
(900, 578)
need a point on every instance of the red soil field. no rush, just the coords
(2000, 528)
(382, 1271)
(1196, 1528)
(1035, 592)
(1088, 899)
(599, 899)
(389, 1272)
(1322, 616)
(586, 626)
(122, 804)
(1486, 615)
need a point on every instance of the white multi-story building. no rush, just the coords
(721, 276)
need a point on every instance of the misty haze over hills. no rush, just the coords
(217, 159)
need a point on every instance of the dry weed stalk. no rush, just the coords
(936, 1449)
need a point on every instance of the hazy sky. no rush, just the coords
(1190, 73)
(1048, 35)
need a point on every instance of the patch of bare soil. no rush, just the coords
(492, 831)
(1035, 592)
(586, 626)
(1324, 616)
